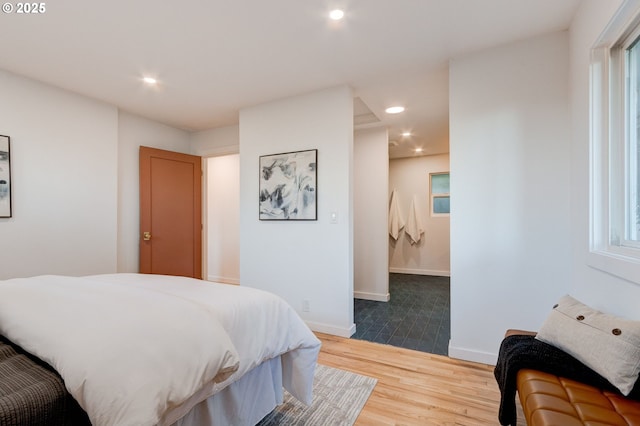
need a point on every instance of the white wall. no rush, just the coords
(64, 181)
(590, 285)
(64, 174)
(223, 218)
(510, 174)
(133, 132)
(431, 255)
(371, 180)
(302, 260)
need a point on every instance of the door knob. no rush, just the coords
(146, 236)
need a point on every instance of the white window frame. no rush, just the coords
(623, 175)
(609, 251)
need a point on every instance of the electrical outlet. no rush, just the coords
(305, 306)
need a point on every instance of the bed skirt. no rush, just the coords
(242, 403)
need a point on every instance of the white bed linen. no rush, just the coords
(260, 324)
(126, 354)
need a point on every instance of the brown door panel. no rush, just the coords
(170, 213)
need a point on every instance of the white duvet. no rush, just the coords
(143, 349)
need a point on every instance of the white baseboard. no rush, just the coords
(378, 297)
(330, 329)
(433, 272)
(472, 355)
(225, 280)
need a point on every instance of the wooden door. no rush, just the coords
(170, 213)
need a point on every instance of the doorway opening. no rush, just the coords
(222, 214)
(417, 315)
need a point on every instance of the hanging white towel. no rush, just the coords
(396, 222)
(414, 226)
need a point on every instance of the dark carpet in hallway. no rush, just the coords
(417, 316)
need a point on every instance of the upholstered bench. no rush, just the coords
(551, 400)
(32, 393)
(580, 368)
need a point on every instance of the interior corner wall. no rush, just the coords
(213, 142)
(63, 181)
(302, 260)
(133, 132)
(510, 174)
(370, 210)
(431, 255)
(591, 286)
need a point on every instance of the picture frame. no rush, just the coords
(288, 186)
(5, 176)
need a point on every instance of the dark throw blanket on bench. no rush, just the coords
(519, 351)
(32, 393)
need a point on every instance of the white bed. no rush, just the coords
(152, 349)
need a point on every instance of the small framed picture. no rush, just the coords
(5, 176)
(288, 186)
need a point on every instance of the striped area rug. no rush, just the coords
(338, 397)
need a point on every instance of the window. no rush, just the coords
(439, 194)
(615, 147)
(630, 226)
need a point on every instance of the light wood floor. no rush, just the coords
(417, 388)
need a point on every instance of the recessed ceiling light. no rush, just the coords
(394, 110)
(150, 81)
(406, 134)
(336, 14)
(418, 150)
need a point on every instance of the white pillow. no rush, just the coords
(607, 344)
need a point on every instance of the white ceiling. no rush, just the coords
(214, 57)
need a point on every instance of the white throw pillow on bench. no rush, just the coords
(607, 344)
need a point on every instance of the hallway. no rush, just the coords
(417, 316)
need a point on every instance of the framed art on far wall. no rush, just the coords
(288, 186)
(5, 177)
